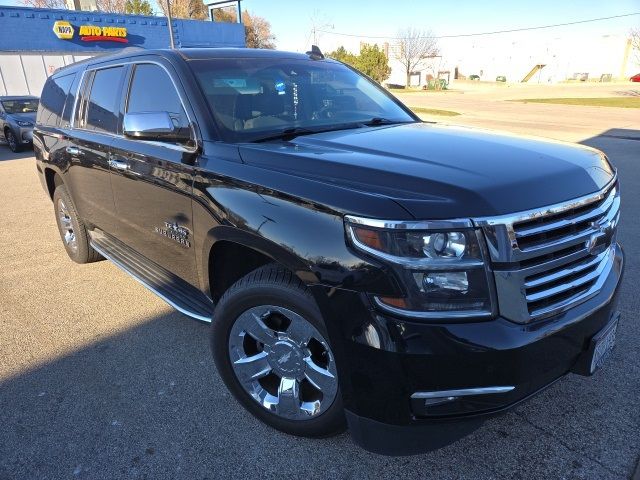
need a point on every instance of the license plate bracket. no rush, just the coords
(600, 348)
(603, 344)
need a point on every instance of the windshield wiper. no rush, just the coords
(287, 134)
(381, 121)
(293, 132)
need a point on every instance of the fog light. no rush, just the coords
(454, 281)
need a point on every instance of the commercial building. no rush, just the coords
(34, 41)
(520, 58)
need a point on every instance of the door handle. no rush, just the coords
(118, 164)
(74, 151)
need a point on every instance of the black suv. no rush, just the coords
(361, 267)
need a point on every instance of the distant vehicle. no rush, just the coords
(501, 78)
(635, 78)
(474, 77)
(17, 117)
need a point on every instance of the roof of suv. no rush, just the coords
(187, 54)
(18, 97)
(205, 53)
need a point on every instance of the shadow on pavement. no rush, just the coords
(6, 154)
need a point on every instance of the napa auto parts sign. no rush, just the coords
(90, 33)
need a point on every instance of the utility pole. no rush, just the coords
(317, 25)
(170, 24)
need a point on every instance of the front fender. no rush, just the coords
(303, 237)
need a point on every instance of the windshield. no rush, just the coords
(254, 99)
(20, 105)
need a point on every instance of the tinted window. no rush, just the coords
(101, 108)
(256, 98)
(153, 91)
(53, 98)
(20, 105)
(68, 106)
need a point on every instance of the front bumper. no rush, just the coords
(25, 135)
(385, 360)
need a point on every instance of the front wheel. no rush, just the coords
(270, 346)
(12, 141)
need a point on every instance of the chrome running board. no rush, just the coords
(169, 287)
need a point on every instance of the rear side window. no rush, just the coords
(100, 114)
(153, 91)
(54, 95)
(69, 103)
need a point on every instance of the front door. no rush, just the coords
(152, 181)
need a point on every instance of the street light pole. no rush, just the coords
(170, 24)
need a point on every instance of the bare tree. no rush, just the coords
(413, 47)
(111, 6)
(257, 30)
(193, 9)
(44, 3)
(635, 44)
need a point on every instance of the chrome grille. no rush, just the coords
(551, 259)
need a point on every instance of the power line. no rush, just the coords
(485, 33)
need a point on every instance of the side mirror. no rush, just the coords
(153, 126)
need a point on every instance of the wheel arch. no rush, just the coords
(53, 179)
(232, 254)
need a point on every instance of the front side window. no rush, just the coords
(20, 105)
(253, 98)
(103, 102)
(153, 91)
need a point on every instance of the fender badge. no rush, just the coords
(175, 232)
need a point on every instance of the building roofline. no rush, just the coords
(64, 11)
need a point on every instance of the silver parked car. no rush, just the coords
(17, 117)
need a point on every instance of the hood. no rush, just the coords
(440, 171)
(25, 117)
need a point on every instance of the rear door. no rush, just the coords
(152, 180)
(95, 126)
(52, 121)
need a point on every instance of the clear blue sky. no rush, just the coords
(291, 20)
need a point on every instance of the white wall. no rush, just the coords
(515, 56)
(26, 74)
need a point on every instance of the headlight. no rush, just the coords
(440, 263)
(22, 123)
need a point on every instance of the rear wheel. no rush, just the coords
(270, 346)
(12, 141)
(72, 230)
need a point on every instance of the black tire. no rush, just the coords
(12, 141)
(80, 251)
(271, 285)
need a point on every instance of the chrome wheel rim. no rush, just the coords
(66, 226)
(283, 362)
(11, 140)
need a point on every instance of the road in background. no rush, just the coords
(495, 106)
(100, 379)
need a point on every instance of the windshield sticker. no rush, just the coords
(280, 87)
(295, 101)
(230, 82)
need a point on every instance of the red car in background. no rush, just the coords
(635, 78)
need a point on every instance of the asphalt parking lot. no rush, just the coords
(100, 379)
